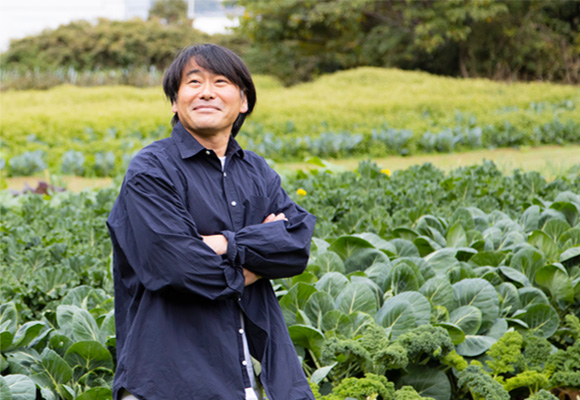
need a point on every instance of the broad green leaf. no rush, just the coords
(514, 275)
(569, 210)
(27, 333)
(6, 339)
(554, 228)
(317, 306)
(405, 276)
(295, 300)
(333, 320)
(475, 345)
(357, 321)
(498, 329)
(530, 296)
(21, 387)
(465, 253)
(511, 240)
(378, 242)
(405, 233)
(545, 244)
(108, 325)
(455, 332)
(321, 373)
(439, 292)
(555, 278)
(60, 343)
(570, 238)
(404, 311)
(405, 248)
(509, 298)
(332, 283)
(96, 393)
(571, 257)
(85, 297)
(549, 214)
(346, 246)
(306, 277)
(318, 246)
(441, 260)
(492, 258)
(527, 261)
(307, 337)
(377, 291)
(85, 327)
(8, 318)
(425, 245)
(356, 297)
(427, 381)
(51, 371)
(456, 236)
(64, 318)
(397, 317)
(5, 393)
(364, 258)
(329, 262)
(468, 318)
(530, 219)
(542, 319)
(379, 273)
(90, 355)
(481, 294)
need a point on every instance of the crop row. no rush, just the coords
(94, 131)
(466, 287)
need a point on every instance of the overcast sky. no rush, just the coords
(20, 18)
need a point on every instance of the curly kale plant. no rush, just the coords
(480, 384)
(429, 340)
(371, 387)
(372, 352)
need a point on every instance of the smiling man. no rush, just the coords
(198, 229)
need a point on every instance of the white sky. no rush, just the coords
(20, 18)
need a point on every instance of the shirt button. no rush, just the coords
(233, 203)
(207, 152)
(239, 299)
(241, 331)
(244, 362)
(225, 174)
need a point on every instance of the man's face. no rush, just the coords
(207, 104)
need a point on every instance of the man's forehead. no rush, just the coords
(192, 67)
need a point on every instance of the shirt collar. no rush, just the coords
(188, 146)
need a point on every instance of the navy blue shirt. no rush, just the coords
(177, 303)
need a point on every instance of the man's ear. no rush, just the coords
(244, 106)
(174, 107)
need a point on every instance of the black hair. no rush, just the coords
(220, 61)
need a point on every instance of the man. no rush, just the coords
(199, 228)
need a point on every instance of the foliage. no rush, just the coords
(422, 113)
(170, 12)
(297, 40)
(106, 44)
(425, 303)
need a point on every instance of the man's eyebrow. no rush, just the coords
(193, 71)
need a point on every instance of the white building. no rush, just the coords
(20, 18)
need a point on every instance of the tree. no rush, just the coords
(170, 12)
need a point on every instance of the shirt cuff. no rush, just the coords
(232, 250)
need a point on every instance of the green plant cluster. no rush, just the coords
(370, 200)
(297, 40)
(475, 299)
(95, 131)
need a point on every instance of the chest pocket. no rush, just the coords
(256, 208)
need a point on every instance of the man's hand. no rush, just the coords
(250, 277)
(272, 218)
(218, 243)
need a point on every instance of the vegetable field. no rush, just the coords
(421, 284)
(363, 112)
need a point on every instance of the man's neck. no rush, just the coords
(217, 143)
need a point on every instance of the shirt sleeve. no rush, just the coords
(162, 245)
(277, 249)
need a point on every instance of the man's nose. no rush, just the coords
(207, 91)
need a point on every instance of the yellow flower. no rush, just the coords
(301, 192)
(386, 171)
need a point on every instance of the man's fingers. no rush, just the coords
(273, 218)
